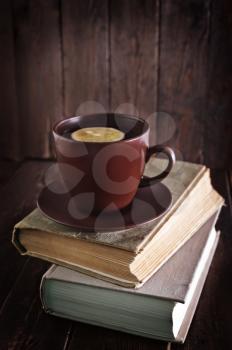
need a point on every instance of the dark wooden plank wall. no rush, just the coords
(184, 34)
(9, 118)
(63, 57)
(38, 73)
(134, 34)
(85, 55)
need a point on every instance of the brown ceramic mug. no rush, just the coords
(109, 172)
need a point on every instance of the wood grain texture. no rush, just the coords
(134, 35)
(20, 308)
(38, 73)
(17, 199)
(211, 326)
(63, 57)
(47, 332)
(22, 321)
(85, 55)
(184, 30)
(102, 338)
(7, 169)
(218, 119)
(9, 123)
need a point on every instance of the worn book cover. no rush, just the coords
(127, 257)
(171, 294)
(180, 182)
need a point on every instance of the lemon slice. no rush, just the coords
(97, 134)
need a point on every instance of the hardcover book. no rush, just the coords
(127, 257)
(162, 308)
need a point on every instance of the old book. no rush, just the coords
(126, 257)
(162, 308)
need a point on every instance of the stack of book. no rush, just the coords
(145, 280)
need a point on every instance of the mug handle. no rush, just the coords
(146, 181)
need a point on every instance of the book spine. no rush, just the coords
(16, 241)
(181, 336)
(42, 289)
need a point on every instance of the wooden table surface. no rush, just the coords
(24, 325)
